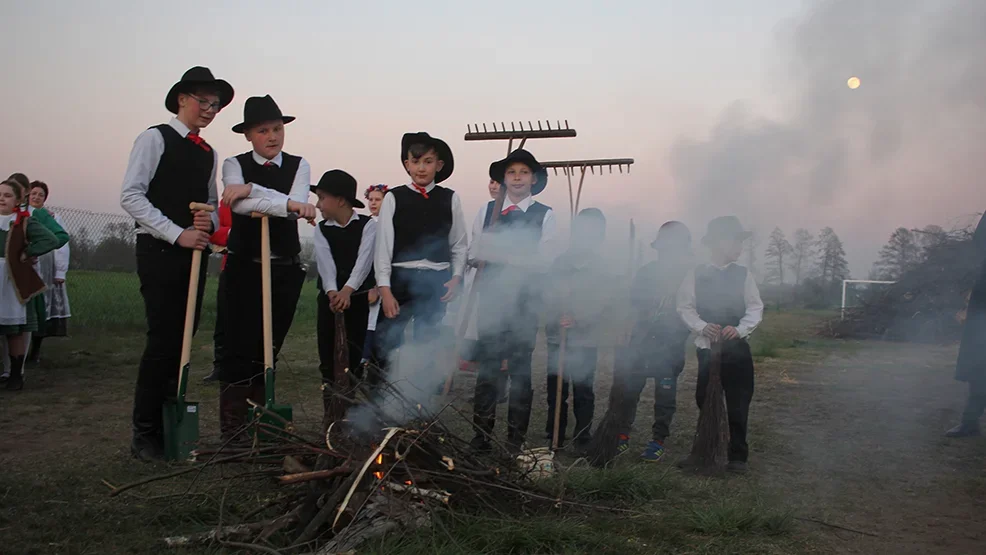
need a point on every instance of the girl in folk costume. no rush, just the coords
(21, 238)
(53, 268)
(374, 199)
(268, 181)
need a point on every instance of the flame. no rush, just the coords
(407, 483)
(378, 475)
(380, 458)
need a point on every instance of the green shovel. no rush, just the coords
(181, 418)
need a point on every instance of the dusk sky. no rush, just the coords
(726, 106)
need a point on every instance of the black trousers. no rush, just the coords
(163, 270)
(580, 371)
(507, 331)
(664, 367)
(975, 404)
(219, 333)
(419, 293)
(356, 317)
(243, 359)
(737, 385)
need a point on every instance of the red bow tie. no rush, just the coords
(509, 209)
(422, 190)
(194, 137)
(22, 214)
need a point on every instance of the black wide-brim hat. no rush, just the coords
(725, 227)
(339, 184)
(194, 78)
(499, 168)
(440, 146)
(259, 109)
(672, 233)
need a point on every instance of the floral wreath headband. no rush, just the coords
(382, 188)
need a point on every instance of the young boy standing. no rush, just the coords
(657, 341)
(421, 243)
(517, 254)
(268, 181)
(344, 255)
(579, 299)
(170, 167)
(721, 301)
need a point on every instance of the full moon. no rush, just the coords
(853, 82)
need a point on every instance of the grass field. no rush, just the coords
(845, 433)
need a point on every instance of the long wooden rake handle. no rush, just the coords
(558, 388)
(190, 304)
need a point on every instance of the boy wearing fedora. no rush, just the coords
(720, 302)
(170, 167)
(420, 251)
(344, 255)
(657, 339)
(268, 181)
(517, 253)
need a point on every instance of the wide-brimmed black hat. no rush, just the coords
(725, 227)
(440, 146)
(339, 184)
(194, 78)
(499, 168)
(259, 109)
(672, 233)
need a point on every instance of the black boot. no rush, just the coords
(16, 380)
(965, 429)
(147, 444)
(213, 376)
(233, 412)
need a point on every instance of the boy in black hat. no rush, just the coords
(720, 301)
(344, 254)
(421, 243)
(517, 253)
(657, 341)
(170, 167)
(578, 301)
(268, 181)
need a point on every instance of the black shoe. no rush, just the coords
(4, 378)
(965, 429)
(15, 382)
(146, 450)
(480, 444)
(737, 467)
(213, 376)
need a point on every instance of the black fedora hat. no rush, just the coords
(673, 234)
(194, 78)
(339, 184)
(259, 109)
(725, 227)
(499, 168)
(440, 146)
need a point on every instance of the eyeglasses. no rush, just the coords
(204, 104)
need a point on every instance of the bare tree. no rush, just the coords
(778, 249)
(802, 253)
(831, 265)
(900, 254)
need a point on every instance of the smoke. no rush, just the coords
(903, 149)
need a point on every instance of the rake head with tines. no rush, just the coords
(518, 130)
(569, 167)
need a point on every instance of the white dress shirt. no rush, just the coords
(364, 259)
(263, 199)
(457, 238)
(548, 246)
(144, 159)
(689, 313)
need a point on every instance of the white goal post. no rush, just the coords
(848, 281)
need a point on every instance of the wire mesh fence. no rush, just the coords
(102, 279)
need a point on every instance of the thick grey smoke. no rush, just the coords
(903, 149)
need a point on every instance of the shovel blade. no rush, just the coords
(282, 418)
(181, 429)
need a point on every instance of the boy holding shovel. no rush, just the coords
(271, 182)
(170, 168)
(721, 300)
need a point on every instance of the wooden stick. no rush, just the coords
(193, 290)
(266, 286)
(301, 477)
(571, 200)
(579, 196)
(558, 389)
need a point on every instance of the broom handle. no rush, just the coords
(471, 299)
(193, 290)
(558, 389)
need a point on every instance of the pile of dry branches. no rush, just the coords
(331, 494)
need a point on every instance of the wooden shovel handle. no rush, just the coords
(201, 206)
(558, 388)
(186, 340)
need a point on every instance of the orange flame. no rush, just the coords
(378, 475)
(407, 482)
(380, 458)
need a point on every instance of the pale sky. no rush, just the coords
(634, 78)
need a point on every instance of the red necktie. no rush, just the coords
(509, 209)
(422, 190)
(268, 164)
(194, 137)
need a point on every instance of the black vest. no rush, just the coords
(244, 235)
(524, 227)
(422, 225)
(182, 177)
(344, 242)
(719, 294)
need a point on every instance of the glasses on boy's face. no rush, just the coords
(205, 104)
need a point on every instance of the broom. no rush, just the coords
(709, 451)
